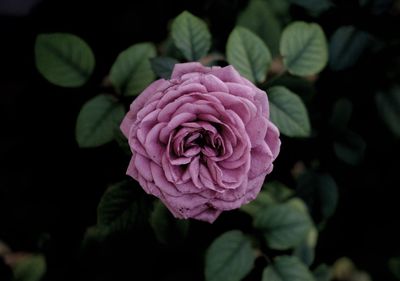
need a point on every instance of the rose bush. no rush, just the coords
(202, 141)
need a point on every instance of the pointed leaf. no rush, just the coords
(97, 121)
(284, 226)
(304, 48)
(286, 268)
(388, 104)
(260, 19)
(230, 257)
(191, 36)
(131, 72)
(167, 229)
(248, 54)
(288, 112)
(163, 66)
(123, 207)
(346, 46)
(64, 59)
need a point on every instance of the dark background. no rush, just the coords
(49, 188)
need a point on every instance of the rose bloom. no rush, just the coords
(202, 142)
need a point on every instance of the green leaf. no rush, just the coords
(286, 268)
(97, 121)
(305, 251)
(260, 19)
(279, 192)
(284, 226)
(316, 7)
(394, 266)
(191, 36)
(230, 257)
(123, 207)
(341, 114)
(346, 46)
(288, 112)
(30, 268)
(322, 273)
(248, 54)
(263, 200)
(131, 72)
(388, 104)
(304, 48)
(64, 59)
(320, 193)
(350, 147)
(163, 66)
(167, 229)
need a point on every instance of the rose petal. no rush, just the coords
(182, 68)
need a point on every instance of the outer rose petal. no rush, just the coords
(201, 142)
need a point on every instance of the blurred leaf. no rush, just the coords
(248, 54)
(167, 229)
(346, 46)
(31, 268)
(280, 7)
(278, 191)
(263, 200)
(122, 208)
(260, 19)
(341, 114)
(131, 71)
(388, 104)
(288, 112)
(97, 121)
(163, 66)
(377, 7)
(350, 147)
(320, 193)
(64, 59)
(315, 7)
(304, 48)
(305, 251)
(323, 273)
(284, 226)
(191, 36)
(286, 268)
(394, 266)
(230, 257)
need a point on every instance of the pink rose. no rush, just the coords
(202, 141)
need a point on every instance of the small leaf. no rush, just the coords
(122, 208)
(230, 257)
(304, 48)
(30, 268)
(131, 72)
(350, 147)
(320, 193)
(279, 192)
(316, 7)
(286, 268)
(288, 112)
(305, 251)
(346, 46)
(394, 267)
(248, 54)
(163, 66)
(167, 229)
(388, 104)
(263, 200)
(341, 114)
(323, 273)
(284, 226)
(260, 19)
(97, 121)
(191, 36)
(64, 59)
